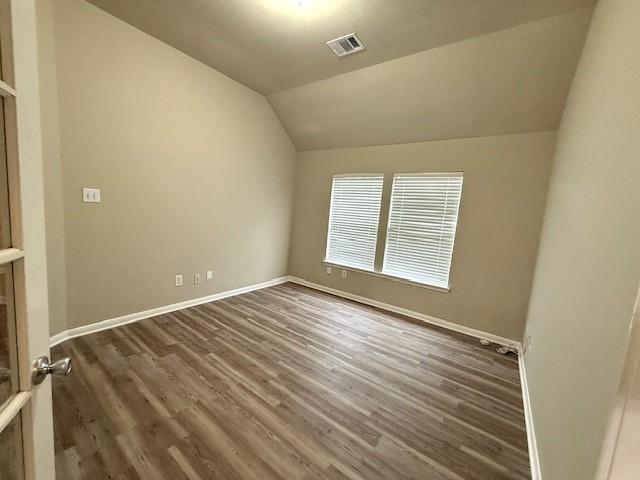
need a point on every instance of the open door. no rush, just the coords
(26, 440)
(619, 459)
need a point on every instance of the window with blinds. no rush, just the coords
(353, 220)
(422, 227)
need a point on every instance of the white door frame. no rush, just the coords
(611, 459)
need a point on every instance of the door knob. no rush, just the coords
(42, 368)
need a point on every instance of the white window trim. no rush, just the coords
(328, 239)
(455, 231)
(386, 276)
(380, 274)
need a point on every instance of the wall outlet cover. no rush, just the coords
(91, 195)
(196, 278)
(209, 274)
(329, 270)
(178, 280)
(344, 274)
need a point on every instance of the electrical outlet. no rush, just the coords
(209, 275)
(196, 278)
(178, 280)
(91, 195)
(343, 274)
(329, 270)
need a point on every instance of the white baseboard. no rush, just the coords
(534, 459)
(134, 317)
(410, 313)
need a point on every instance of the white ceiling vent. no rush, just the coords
(346, 45)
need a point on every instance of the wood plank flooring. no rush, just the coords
(287, 383)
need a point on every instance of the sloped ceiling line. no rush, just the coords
(433, 69)
(512, 81)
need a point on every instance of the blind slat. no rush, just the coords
(353, 220)
(422, 226)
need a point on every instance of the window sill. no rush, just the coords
(388, 277)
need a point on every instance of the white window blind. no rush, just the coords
(422, 227)
(353, 220)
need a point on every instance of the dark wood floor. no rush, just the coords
(287, 383)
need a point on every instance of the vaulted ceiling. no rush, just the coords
(510, 81)
(432, 69)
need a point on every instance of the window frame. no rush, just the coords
(385, 209)
(327, 260)
(455, 228)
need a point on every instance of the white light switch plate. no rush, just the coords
(91, 195)
(209, 274)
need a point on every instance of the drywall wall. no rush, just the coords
(588, 268)
(195, 171)
(52, 168)
(511, 81)
(505, 182)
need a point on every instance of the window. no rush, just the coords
(353, 220)
(422, 227)
(423, 216)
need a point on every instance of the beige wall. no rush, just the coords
(505, 182)
(511, 81)
(52, 168)
(195, 172)
(589, 262)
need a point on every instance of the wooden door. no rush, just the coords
(26, 445)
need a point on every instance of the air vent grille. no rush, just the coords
(346, 45)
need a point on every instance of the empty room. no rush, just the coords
(319, 239)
